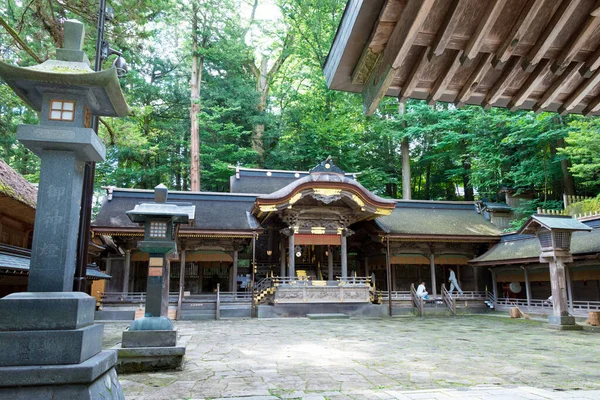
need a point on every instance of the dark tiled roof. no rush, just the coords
(214, 211)
(259, 184)
(19, 261)
(437, 218)
(15, 186)
(521, 247)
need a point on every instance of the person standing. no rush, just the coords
(454, 283)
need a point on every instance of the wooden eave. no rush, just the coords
(284, 202)
(183, 233)
(541, 55)
(402, 237)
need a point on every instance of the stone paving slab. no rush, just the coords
(410, 358)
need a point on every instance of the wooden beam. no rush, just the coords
(530, 85)
(592, 107)
(489, 17)
(557, 87)
(457, 9)
(400, 42)
(556, 24)
(573, 46)
(444, 80)
(474, 79)
(365, 65)
(582, 90)
(415, 76)
(526, 18)
(591, 64)
(511, 69)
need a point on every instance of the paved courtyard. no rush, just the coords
(402, 358)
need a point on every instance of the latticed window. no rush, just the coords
(61, 110)
(545, 239)
(158, 230)
(562, 240)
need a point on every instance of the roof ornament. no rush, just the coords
(327, 166)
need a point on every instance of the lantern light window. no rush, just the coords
(158, 229)
(61, 110)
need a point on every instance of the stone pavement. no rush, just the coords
(400, 358)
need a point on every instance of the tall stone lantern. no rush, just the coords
(150, 343)
(50, 345)
(554, 234)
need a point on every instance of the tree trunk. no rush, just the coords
(565, 166)
(197, 64)
(427, 190)
(262, 87)
(469, 195)
(406, 192)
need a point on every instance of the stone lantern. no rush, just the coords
(51, 347)
(139, 348)
(161, 221)
(554, 234)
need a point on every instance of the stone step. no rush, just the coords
(327, 316)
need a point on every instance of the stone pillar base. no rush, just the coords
(92, 379)
(562, 323)
(149, 359)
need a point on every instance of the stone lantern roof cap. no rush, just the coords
(553, 223)
(180, 213)
(70, 73)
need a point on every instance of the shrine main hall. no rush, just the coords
(320, 237)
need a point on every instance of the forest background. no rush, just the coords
(241, 81)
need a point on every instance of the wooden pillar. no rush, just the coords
(253, 313)
(494, 287)
(394, 267)
(388, 274)
(527, 286)
(569, 289)
(344, 257)
(367, 273)
(559, 287)
(330, 264)
(281, 259)
(181, 283)
(126, 268)
(433, 280)
(292, 255)
(234, 268)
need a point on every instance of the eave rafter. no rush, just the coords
(575, 45)
(400, 42)
(457, 8)
(488, 19)
(553, 29)
(474, 79)
(525, 54)
(526, 18)
(557, 86)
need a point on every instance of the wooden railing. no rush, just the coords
(132, 297)
(469, 295)
(448, 300)
(349, 281)
(418, 301)
(396, 295)
(579, 306)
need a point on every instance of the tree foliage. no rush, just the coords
(456, 154)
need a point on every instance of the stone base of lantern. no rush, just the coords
(52, 349)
